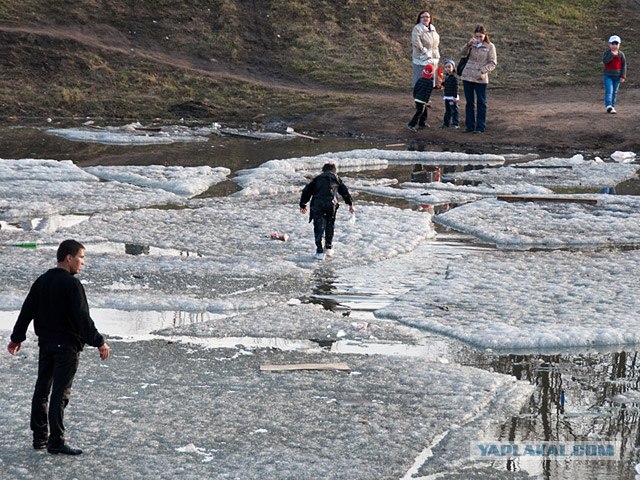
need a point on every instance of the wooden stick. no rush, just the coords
(306, 366)
(313, 139)
(535, 198)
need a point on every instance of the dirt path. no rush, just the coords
(554, 119)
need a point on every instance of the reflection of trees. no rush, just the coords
(187, 318)
(589, 382)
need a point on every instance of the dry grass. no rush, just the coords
(232, 52)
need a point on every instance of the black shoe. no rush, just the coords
(468, 131)
(426, 125)
(64, 449)
(40, 445)
(478, 131)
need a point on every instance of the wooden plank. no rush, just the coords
(306, 366)
(569, 167)
(291, 131)
(536, 198)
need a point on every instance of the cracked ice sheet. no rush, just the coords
(186, 181)
(613, 221)
(228, 228)
(372, 423)
(574, 172)
(292, 174)
(294, 321)
(227, 238)
(540, 301)
(163, 282)
(22, 200)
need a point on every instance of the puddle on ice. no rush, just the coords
(138, 249)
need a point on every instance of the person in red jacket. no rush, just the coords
(615, 72)
(58, 306)
(421, 95)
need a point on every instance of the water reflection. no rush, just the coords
(590, 396)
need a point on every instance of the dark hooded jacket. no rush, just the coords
(323, 192)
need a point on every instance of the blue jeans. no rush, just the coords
(475, 92)
(450, 113)
(611, 85)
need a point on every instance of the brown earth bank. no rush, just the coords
(320, 67)
(553, 119)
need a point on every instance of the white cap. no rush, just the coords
(614, 38)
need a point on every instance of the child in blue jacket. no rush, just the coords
(451, 98)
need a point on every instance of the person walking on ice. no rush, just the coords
(58, 306)
(323, 192)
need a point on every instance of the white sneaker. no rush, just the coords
(609, 108)
(329, 252)
(613, 110)
(318, 256)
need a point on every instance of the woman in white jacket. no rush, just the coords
(425, 41)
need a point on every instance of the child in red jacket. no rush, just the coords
(615, 72)
(421, 94)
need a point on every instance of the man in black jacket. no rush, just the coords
(323, 192)
(58, 306)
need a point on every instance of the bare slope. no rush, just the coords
(247, 61)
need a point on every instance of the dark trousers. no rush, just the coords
(475, 92)
(57, 365)
(420, 115)
(450, 113)
(324, 220)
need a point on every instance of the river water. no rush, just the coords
(573, 389)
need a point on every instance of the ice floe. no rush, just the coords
(133, 134)
(437, 193)
(44, 170)
(542, 300)
(290, 175)
(22, 200)
(613, 221)
(186, 181)
(566, 173)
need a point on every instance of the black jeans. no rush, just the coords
(324, 220)
(57, 365)
(420, 117)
